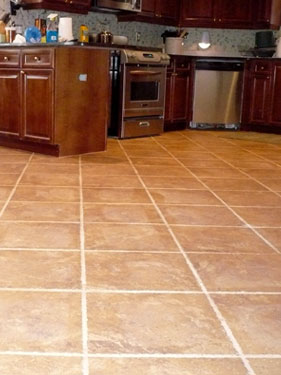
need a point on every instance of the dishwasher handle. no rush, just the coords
(228, 66)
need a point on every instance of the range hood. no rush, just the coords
(117, 5)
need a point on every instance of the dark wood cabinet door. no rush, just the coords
(275, 118)
(73, 6)
(10, 102)
(167, 9)
(235, 12)
(259, 99)
(37, 106)
(180, 87)
(261, 13)
(197, 12)
(168, 101)
(149, 7)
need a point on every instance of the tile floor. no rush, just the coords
(161, 256)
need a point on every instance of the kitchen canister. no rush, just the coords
(65, 29)
(174, 46)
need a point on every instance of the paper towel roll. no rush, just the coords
(65, 29)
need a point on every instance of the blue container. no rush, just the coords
(52, 36)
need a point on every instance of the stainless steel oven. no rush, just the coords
(128, 5)
(140, 94)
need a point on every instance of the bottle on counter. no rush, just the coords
(40, 23)
(84, 34)
(52, 35)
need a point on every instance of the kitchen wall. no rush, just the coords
(150, 35)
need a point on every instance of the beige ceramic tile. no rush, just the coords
(111, 181)
(226, 272)
(107, 170)
(18, 158)
(264, 173)
(39, 365)
(5, 192)
(245, 164)
(46, 194)
(222, 173)
(11, 168)
(104, 159)
(266, 366)
(193, 155)
(122, 213)
(128, 237)
(255, 321)
(168, 161)
(50, 179)
(45, 159)
(8, 179)
(34, 269)
(172, 183)
(52, 168)
(199, 215)
(230, 240)
(42, 211)
(272, 183)
(37, 321)
(260, 216)
(199, 163)
(155, 366)
(243, 184)
(12, 151)
(40, 235)
(116, 195)
(273, 235)
(154, 323)
(160, 171)
(250, 198)
(173, 196)
(139, 271)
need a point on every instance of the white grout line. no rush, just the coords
(16, 185)
(252, 227)
(139, 355)
(41, 290)
(83, 279)
(217, 312)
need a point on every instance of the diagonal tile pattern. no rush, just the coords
(160, 256)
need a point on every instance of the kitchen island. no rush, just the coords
(54, 98)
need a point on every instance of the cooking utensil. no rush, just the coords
(183, 33)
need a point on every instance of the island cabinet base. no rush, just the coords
(62, 99)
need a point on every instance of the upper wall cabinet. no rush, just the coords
(234, 14)
(73, 6)
(217, 13)
(162, 12)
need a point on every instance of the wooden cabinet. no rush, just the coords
(262, 101)
(267, 14)
(10, 102)
(178, 94)
(73, 6)
(54, 100)
(217, 13)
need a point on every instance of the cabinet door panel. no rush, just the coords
(181, 96)
(276, 96)
(235, 11)
(167, 9)
(37, 105)
(197, 12)
(259, 105)
(168, 101)
(148, 6)
(10, 105)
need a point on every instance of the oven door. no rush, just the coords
(144, 91)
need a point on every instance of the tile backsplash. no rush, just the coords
(150, 35)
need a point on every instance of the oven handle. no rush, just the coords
(144, 73)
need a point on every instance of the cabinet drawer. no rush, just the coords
(38, 58)
(262, 66)
(9, 58)
(182, 63)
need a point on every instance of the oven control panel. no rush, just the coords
(144, 57)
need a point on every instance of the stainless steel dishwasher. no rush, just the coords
(217, 94)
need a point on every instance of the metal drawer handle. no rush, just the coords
(144, 73)
(37, 58)
(262, 67)
(144, 124)
(6, 58)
